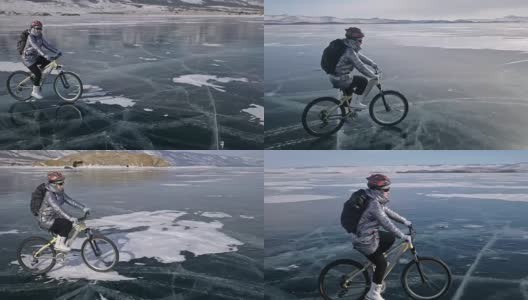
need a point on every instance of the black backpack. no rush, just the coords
(353, 210)
(22, 40)
(37, 197)
(331, 55)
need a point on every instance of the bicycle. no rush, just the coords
(387, 108)
(423, 278)
(67, 85)
(98, 252)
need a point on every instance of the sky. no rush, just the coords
(281, 159)
(399, 9)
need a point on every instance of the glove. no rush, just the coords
(86, 210)
(407, 223)
(59, 53)
(375, 67)
(75, 221)
(408, 238)
(47, 57)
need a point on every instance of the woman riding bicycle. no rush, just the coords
(52, 216)
(351, 59)
(368, 239)
(34, 57)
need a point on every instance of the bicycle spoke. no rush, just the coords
(427, 280)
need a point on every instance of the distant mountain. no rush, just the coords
(301, 20)
(174, 158)
(362, 170)
(58, 7)
(105, 158)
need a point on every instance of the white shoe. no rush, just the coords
(60, 246)
(36, 92)
(375, 292)
(356, 103)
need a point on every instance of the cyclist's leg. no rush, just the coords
(62, 227)
(357, 86)
(42, 62)
(386, 240)
(368, 87)
(38, 74)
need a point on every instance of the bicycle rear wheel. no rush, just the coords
(427, 279)
(323, 117)
(68, 86)
(30, 261)
(99, 253)
(344, 279)
(388, 108)
(20, 85)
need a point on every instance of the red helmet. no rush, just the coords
(36, 23)
(378, 181)
(55, 176)
(354, 33)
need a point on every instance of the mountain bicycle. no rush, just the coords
(325, 116)
(67, 85)
(423, 278)
(38, 255)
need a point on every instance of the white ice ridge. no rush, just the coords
(14, 231)
(159, 234)
(504, 197)
(295, 198)
(460, 291)
(212, 45)
(257, 112)
(205, 80)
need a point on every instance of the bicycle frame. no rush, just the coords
(395, 253)
(53, 65)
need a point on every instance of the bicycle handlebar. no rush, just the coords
(83, 218)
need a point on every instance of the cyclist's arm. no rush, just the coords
(73, 203)
(360, 66)
(52, 200)
(367, 60)
(49, 46)
(394, 216)
(385, 222)
(34, 45)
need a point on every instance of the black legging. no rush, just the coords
(385, 242)
(61, 227)
(358, 85)
(34, 68)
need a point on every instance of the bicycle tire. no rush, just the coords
(335, 263)
(378, 97)
(114, 247)
(411, 293)
(9, 86)
(57, 81)
(21, 263)
(307, 110)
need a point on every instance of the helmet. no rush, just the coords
(36, 23)
(55, 176)
(378, 181)
(353, 33)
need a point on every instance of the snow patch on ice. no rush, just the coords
(148, 58)
(148, 109)
(7, 66)
(257, 113)
(212, 45)
(246, 217)
(205, 80)
(289, 188)
(295, 198)
(175, 184)
(215, 215)
(94, 94)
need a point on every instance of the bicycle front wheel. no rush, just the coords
(20, 85)
(323, 117)
(388, 108)
(344, 279)
(99, 253)
(429, 278)
(33, 258)
(68, 86)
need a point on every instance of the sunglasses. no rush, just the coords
(38, 28)
(360, 40)
(386, 190)
(59, 183)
